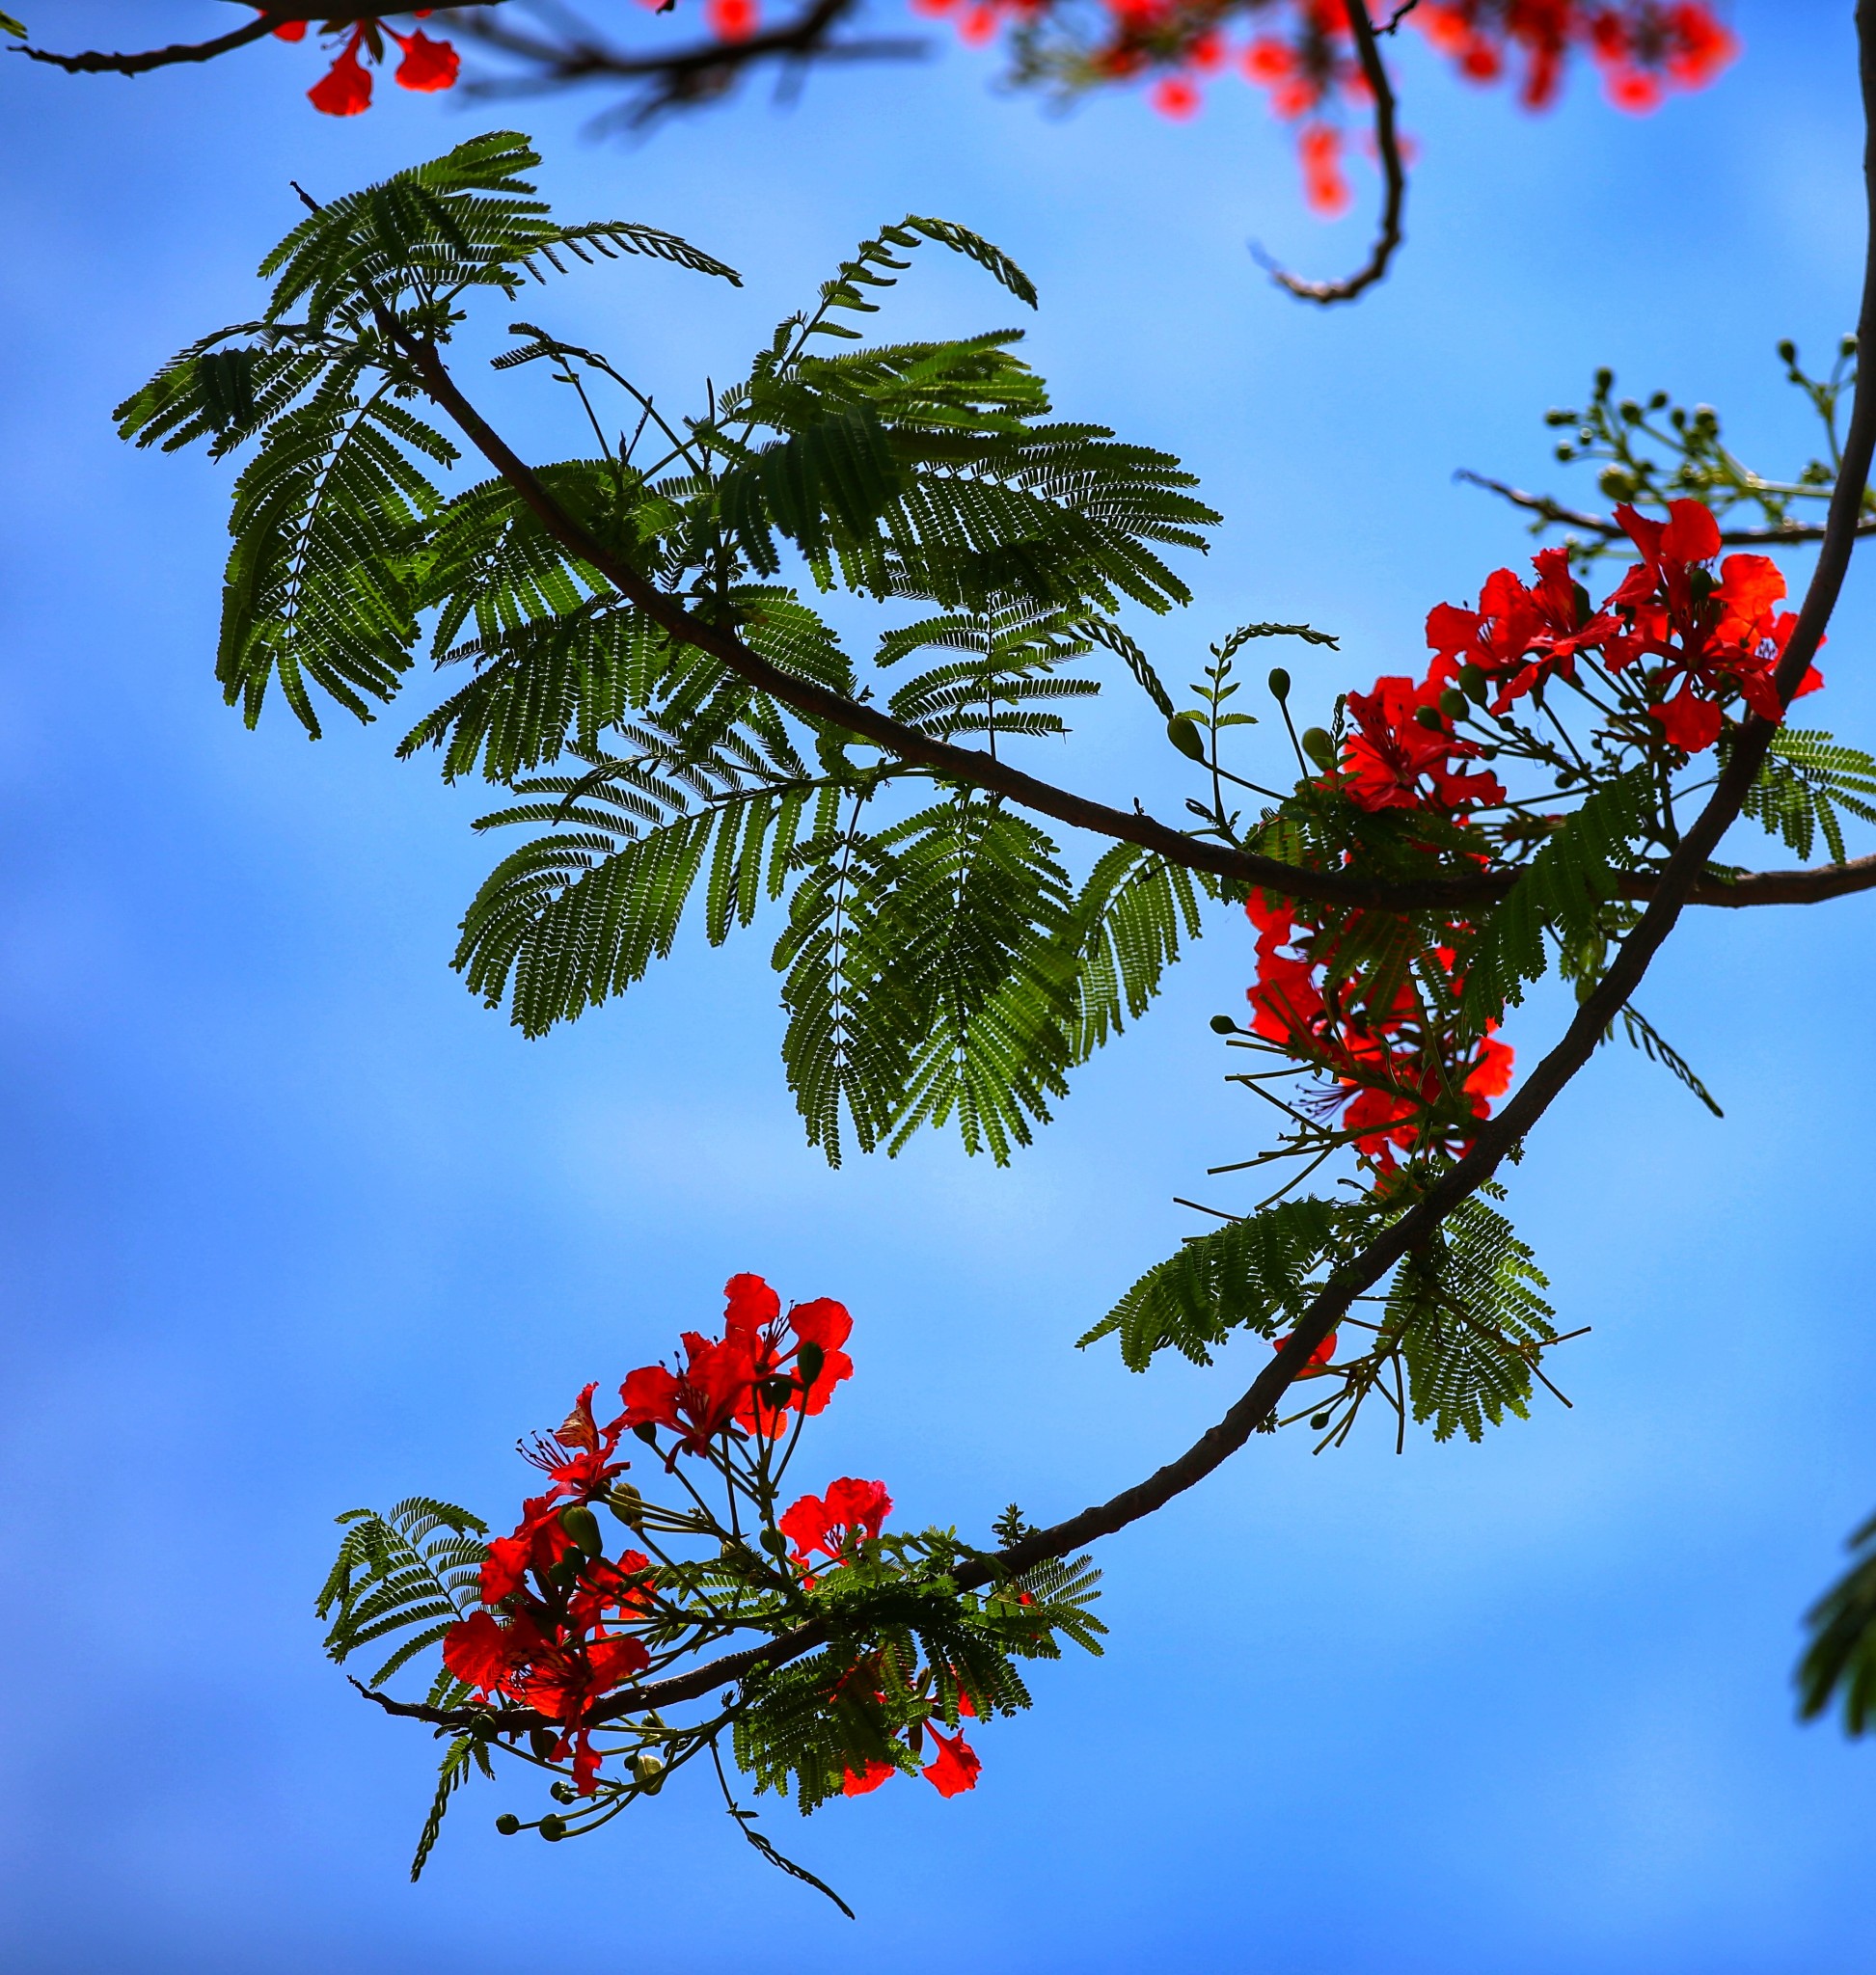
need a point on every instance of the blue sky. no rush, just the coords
(290, 1223)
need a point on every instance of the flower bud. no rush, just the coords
(1787, 351)
(1431, 718)
(774, 1542)
(1279, 685)
(1474, 684)
(1183, 731)
(1223, 1025)
(582, 1527)
(647, 1432)
(628, 1505)
(552, 1828)
(779, 1391)
(1454, 704)
(1317, 1420)
(809, 1362)
(1617, 483)
(543, 1742)
(1319, 746)
(507, 1824)
(649, 1766)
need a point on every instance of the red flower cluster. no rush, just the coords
(1405, 1081)
(765, 1367)
(1700, 640)
(345, 88)
(850, 1513)
(553, 1649)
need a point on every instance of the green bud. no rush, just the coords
(553, 1828)
(1223, 1025)
(648, 1766)
(543, 1741)
(582, 1527)
(627, 1503)
(1604, 379)
(1431, 718)
(1279, 685)
(647, 1432)
(1847, 347)
(1183, 731)
(779, 1391)
(1474, 684)
(1317, 1420)
(774, 1542)
(1617, 483)
(562, 1793)
(1319, 746)
(1787, 351)
(507, 1824)
(810, 1361)
(1454, 704)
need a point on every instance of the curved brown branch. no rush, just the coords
(675, 77)
(1605, 528)
(1387, 142)
(99, 62)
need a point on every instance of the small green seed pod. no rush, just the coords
(1454, 704)
(1474, 684)
(1431, 718)
(1319, 746)
(774, 1542)
(810, 1361)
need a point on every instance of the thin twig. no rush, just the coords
(1605, 528)
(1387, 142)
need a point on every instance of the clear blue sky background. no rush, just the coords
(291, 1224)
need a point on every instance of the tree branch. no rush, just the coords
(98, 62)
(681, 76)
(986, 772)
(1387, 142)
(1606, 528)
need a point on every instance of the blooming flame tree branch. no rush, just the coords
(1546, 795)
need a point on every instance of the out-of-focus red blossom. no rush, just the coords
(955, 1768)
(1177, 97)
(1325, 189)
(427, 66)
(345, 88)
(859, 1782)
(1319, 1359)
(733, 20)
(849, 1511)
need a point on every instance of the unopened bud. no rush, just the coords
(1183, 731)
(583, 1528)
(627, 1503)
(1474, 684)
(810, 1361)
(553, 1828)
(777, 1391)
(1431, 718)
(1317, 1420)
(1319, 746)
(774, 1542)
(1223, 1025)
(649, 1766)
(1787, 351)
(543, 1742)
(647, 1432)
(507, 1824)
(1454, 704)
(1279, 685)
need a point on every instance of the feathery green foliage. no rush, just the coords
(1805, 779)
(1255, 1274)
(1464, 1313)
(417, 1566)
(1841, 1661)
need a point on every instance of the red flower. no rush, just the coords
(1325, 190)
(1391, 752)
(699, 1402)
(1318, 1358)
(851, 1510)
(291, 30)
(477, 1649)
(954, 1768)
(857, 1783)
(345, 88)
(1177, 97)
(773, 1342)
(427, 66)
(732, 20)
